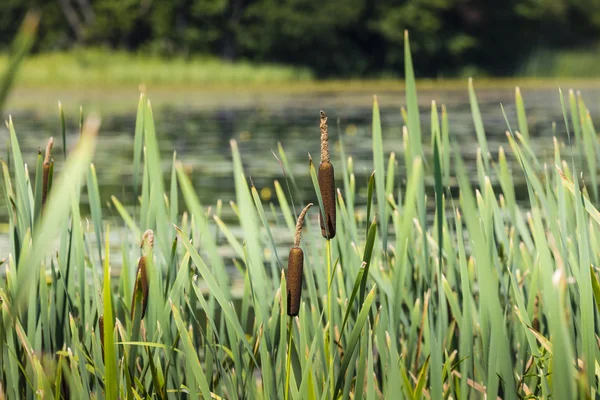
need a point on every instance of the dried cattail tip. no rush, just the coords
(295, 266)
(46, 169)
(141, 287)
(299, 224)
(148, 238)
(324, 138)
(326, 184)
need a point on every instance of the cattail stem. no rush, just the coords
(330, 306)
(289, 360)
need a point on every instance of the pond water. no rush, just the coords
(199, 126)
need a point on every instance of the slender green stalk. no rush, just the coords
(289, 359)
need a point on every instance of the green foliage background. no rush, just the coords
(334, 38)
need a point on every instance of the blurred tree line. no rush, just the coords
(332, 37)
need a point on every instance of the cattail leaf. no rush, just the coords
(199, 214)
(370, 187)
(353, 341)
(378, 155)
(595, 286)
(521, 115)
(37, 205)
(263, 218)
(95, 206)
(110, 360)
(412, 104)
(63, 128)
(126, 217)
(138, 140)
(215, 290)
(284, 206)
(478, 122)
(361, 279)
(191, 354)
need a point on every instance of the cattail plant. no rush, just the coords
(46, 167)
(295, 266)
(326, 183)
(141, 281)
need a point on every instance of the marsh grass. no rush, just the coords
(490, 297)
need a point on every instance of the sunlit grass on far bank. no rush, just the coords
(97, 67)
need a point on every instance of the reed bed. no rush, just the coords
(479, 295)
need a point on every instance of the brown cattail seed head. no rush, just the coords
(327, 186)
(295, 266)
(46, 169)
(141, 284)
(294, 280)
(326, 183)
(101, 328)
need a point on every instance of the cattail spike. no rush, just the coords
(46, 169)
(326, 184)
(324, 138)
(141, 277)
(294, 280)
(141, 285)
(299, 224)
(101, 329)
(295, 267)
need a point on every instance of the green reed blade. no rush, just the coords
(521, 115)
(370, 187)
(378, 155)
(263, 218)
(110, 359)
(478, 122)
(412, 105)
